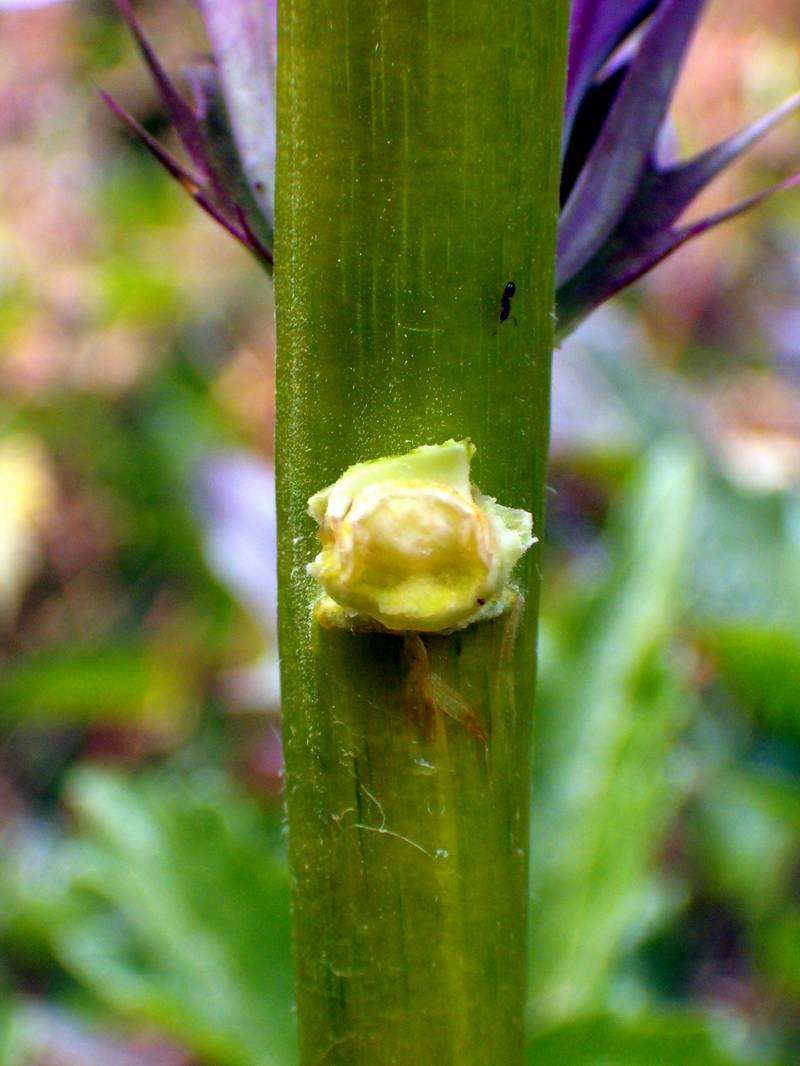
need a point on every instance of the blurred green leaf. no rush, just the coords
(762, 667)
(653, 400)
(779, 951)
(128, 684)
(745, 560)
(35, 891)
(612, 703)
(136, 291)
(9, 1050)
(122, 454)
(746, 824)
(660, 1040)
(185, 916)
(133, 194)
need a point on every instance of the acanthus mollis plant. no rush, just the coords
(420, 149)
(620, 199)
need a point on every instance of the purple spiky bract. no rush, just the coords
(621, 201)
(216, 179)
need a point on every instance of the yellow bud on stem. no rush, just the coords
(408, 544)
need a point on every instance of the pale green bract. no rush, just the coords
(408, 544)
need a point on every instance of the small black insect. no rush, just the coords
(505, 300)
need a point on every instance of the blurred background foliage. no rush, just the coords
(143, 889)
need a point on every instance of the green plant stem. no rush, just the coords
(417, 174)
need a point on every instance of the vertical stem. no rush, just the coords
(417, 174)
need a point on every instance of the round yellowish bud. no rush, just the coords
(409, 544)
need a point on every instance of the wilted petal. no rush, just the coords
(617, 162)
(243, 36)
